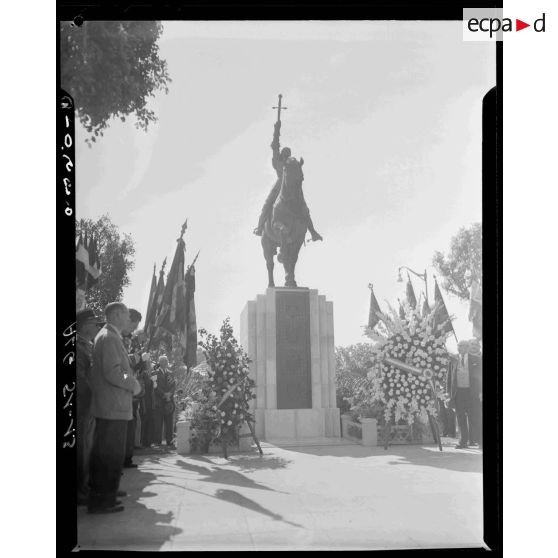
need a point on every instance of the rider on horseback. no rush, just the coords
(278, 161)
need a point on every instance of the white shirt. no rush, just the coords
(463, 371)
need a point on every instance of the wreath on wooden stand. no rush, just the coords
(410, 375)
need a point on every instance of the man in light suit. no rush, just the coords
(112, 386)
(465, 389)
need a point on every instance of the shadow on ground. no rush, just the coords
(467, 460)
(217, 475)
(235, 498)
(137, 527)
(249, 464)
(462, 461)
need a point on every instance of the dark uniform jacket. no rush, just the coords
(475, 377)
(84, 360)
(165, 383)
(147, 401)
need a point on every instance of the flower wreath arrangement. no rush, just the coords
(225, 395)
(413, 340)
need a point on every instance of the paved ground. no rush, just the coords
(307, 497)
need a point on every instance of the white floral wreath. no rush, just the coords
(414, 341)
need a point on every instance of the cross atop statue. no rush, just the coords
(279, 107)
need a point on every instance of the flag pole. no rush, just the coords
(194, 261)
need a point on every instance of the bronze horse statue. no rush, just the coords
(286, 227)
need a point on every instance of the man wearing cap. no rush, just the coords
(87, 326)
(113, 386)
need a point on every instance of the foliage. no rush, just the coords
(347, 385)
(352, 365)
(354, 431)
(363, 406)
(357, 358)
(402, 395)
(463, 263)
(111, 68)
(225, 396)
(116, 253)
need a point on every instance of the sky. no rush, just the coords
(387, 116)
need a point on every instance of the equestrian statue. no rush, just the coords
(285, 217)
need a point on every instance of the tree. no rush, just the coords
(356, 359)
(111, 68)
(463, 262)
(352, 365)
(117, 260)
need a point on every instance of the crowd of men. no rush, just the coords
(117, 384)
(464, 402)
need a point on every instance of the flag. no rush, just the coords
(82, 263)
(152, 292)
(88, 265)
(411, 298)
(171, 318)
(425, 307)
(373, 317)
(94, 262)
(441, 315)
(156, 304)
(401, 310)
(191, 331)
(475, 309)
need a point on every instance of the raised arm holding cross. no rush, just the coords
(279, 107)
(279, 158)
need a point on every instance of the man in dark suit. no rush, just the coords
(87, 325)
(465, 389)
(164, 401)
(147, 404)
(134, 353)
(112, 386)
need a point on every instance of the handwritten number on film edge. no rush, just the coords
(67, 143)
(67, 168)
(68, 389)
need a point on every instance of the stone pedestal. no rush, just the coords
(183, 437)
(288, 334)
(369, 431)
